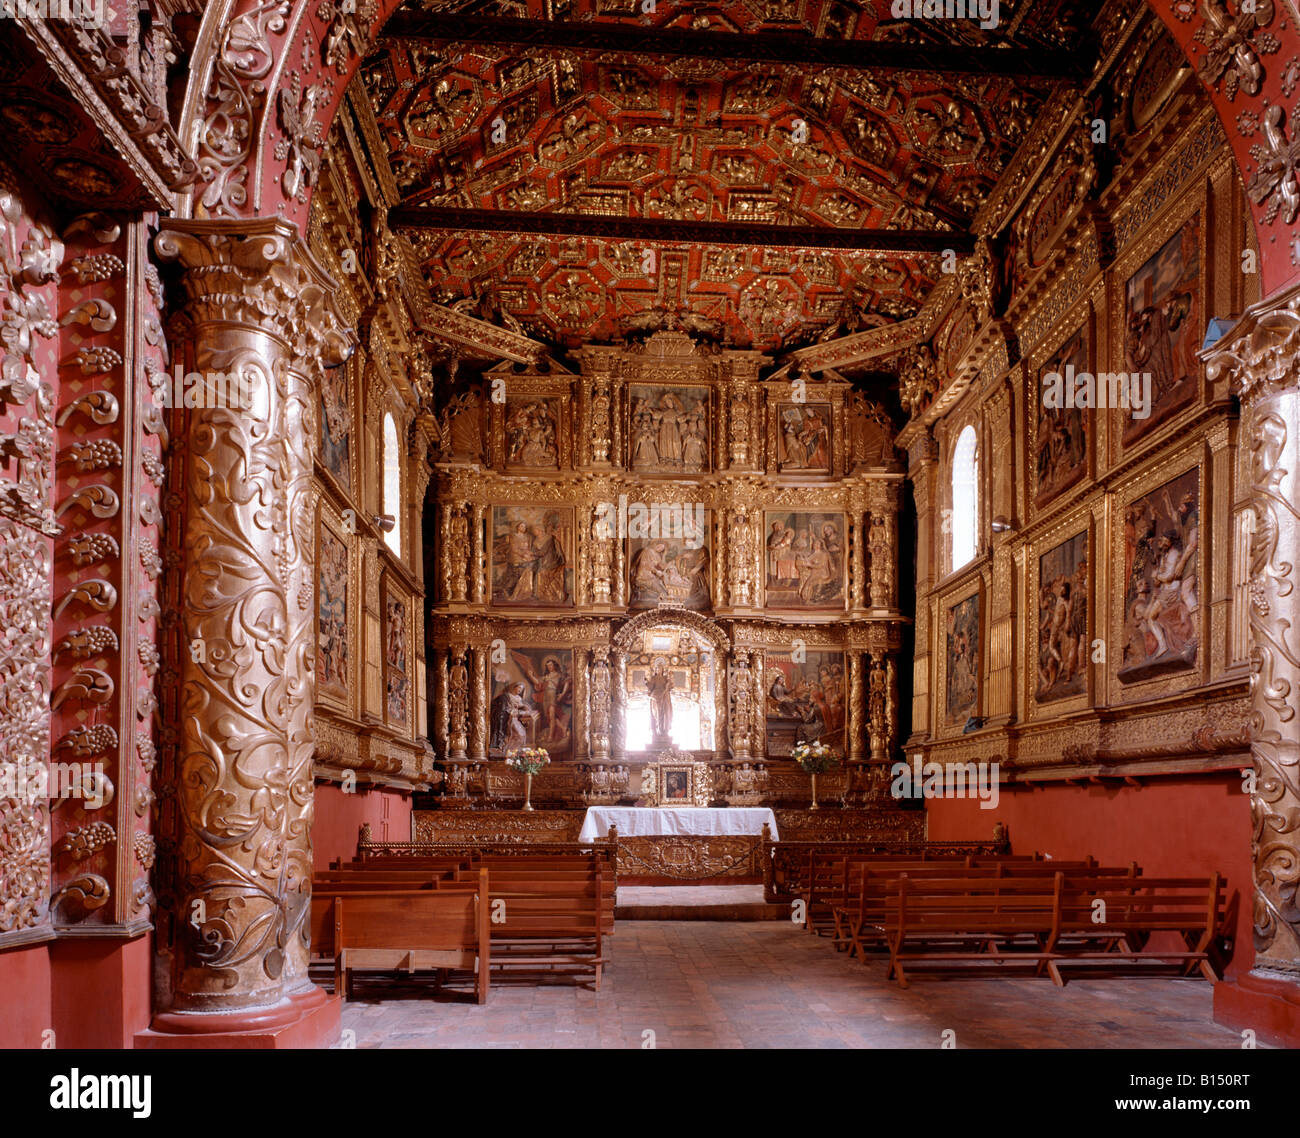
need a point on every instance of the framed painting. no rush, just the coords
(334, 656)
(803, 699)
(532, 702)
(805, 559)
(1160, 621)
(532, 556)
(1064, 647)
(673, 567)
(668, 429)
(335, 450)
(1163, 327)
(803, 438)
(961, 687)
(397, 657)
(532, 434)
(1062, 435)
(676, 786)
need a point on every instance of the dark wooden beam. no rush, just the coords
(698, 232)
(752, 47)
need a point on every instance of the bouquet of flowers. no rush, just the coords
(530, 760)
(814, 757)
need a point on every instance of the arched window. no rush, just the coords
(965, 498)
(392, 484)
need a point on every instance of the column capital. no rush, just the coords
(259, 273)
(1261, 352)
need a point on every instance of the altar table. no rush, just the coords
(670, 821)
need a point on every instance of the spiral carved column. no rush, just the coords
(234, 946)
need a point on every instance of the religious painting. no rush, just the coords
(530, 433)
(1063, 645)
(1163, 328)
(668, 429)
(335, 425)
(963, 660)
(1061, 442)
(332, 662)
(805, 559)
(676, 785)
(1161, 615)
(532, 702)
(532, 555)
(803, 438)
(672, 568)
(804, 701)
(396, 665)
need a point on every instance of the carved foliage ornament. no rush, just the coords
(1233, 44)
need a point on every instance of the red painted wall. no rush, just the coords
(339, 817)
(100, 991)
(25, 989)
(1169, 826)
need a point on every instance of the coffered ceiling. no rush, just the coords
(607, 140)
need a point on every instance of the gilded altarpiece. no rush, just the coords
(618, 605)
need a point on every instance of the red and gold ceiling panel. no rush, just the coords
(546, 130)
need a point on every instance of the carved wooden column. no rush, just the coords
(882, 545)
(740, 697)
(478, 705)
(856, 719)
(260, 308)
(618, 718)
(859, 528)
(922, 462)
(438, 664)
(1262, 356)
(757, 712)
(877, 698)
(600, 705)
(477, 557)
(458, 705)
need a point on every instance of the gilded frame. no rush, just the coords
(389, 588)
(330, 521)
(680, 390)
(1154, 476)
(662, 773)
(946, 604)
(1042, 355)
(1193, 202)
(1078, 523)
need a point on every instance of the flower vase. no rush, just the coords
(814, 805)
(528, 790)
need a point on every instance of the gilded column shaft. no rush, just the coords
(1262, 353)
(254, 301)
(478, 711)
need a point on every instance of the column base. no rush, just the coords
(310, 1019)
(1267, 1006)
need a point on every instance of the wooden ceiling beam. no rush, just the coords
(751, 47)
(916, 241)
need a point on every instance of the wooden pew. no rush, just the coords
(1121, 927)
(414, 930)
(550, 919)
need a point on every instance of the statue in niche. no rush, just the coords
(659, 686)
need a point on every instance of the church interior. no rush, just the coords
(723, 523)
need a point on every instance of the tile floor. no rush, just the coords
(715, 984)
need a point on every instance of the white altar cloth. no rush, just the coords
(660, 821)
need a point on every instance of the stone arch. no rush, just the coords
(666, 614)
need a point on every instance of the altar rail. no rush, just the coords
(367, 849)
(785, 863)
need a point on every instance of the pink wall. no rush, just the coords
(339, 817)
(25, 987)
(1169, 826)
(100, 991)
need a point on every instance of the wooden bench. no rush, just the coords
(407, 929)
(550, 919)
(1056, 922)
(859, 913)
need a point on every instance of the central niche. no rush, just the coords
(672, 691)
